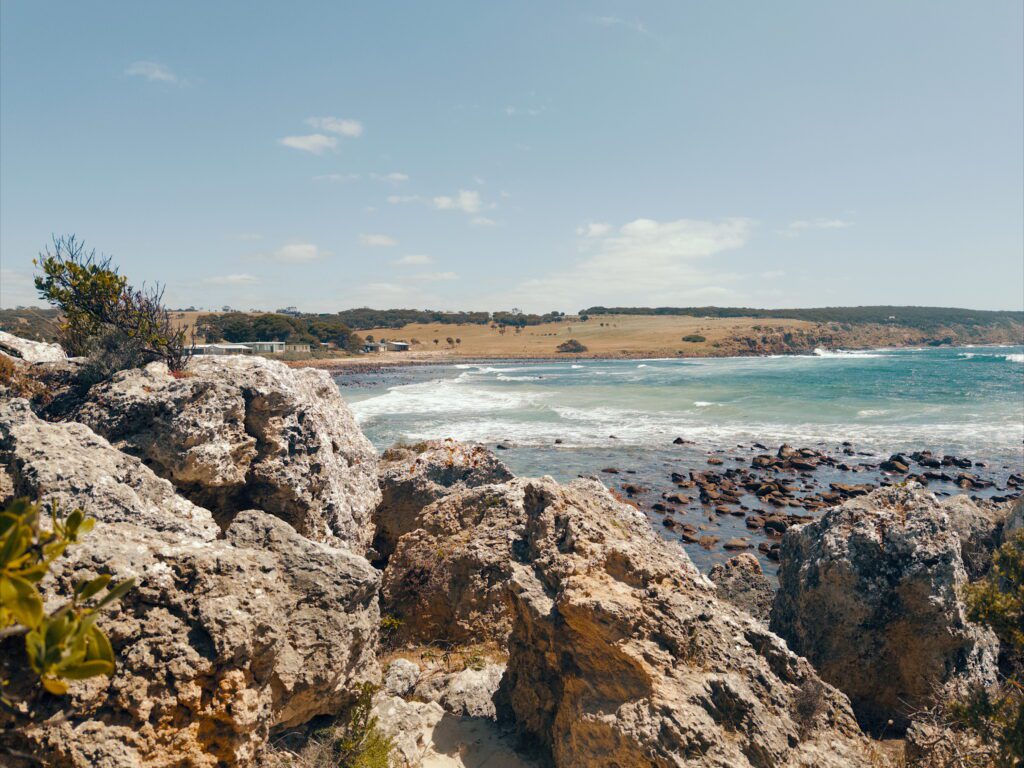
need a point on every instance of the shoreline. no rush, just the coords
(366, 363)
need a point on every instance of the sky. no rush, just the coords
(532, 155)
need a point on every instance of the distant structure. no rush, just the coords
(252, 348)
(386, 346)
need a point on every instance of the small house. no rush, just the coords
(221, 349)
(266, 347)
(396, 346)
(296, 346)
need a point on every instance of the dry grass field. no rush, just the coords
(604, 336)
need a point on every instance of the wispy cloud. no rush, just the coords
(378, 241)
(528, 111)
(483, 221)
(343, 126)
(795, 228)
(466, 200)
(644, 262)
(334, 177)
(298, 253)
(394, 177)
(152, 71)
(593, 229)
(433, 277)
(414, 260)
(615, 21)
(237, 279)
(317, 143)
(399, 199)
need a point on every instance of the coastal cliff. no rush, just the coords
(282, 571)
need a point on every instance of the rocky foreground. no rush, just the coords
(281, 566)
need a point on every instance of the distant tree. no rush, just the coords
(571, 346)
(458, 340)
(694, 338)
(451, 341)
(435, 341)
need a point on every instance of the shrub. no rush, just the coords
(694, 338)
(571, 346)
(105, 317)
(65, 644)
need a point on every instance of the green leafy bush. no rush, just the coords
(65, 644)
(104, 317)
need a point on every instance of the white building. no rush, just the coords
(221, 349)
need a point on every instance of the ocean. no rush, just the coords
(618, 419)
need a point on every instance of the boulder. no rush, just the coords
(413, 477)
(621, 654)
(447, 579)
(620, 651)
(236, 433)
(225, 635)
(741, 581)
(30, 351)
(467, 693)
(869, 593)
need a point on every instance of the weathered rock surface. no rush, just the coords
(30, 351)
(869, 594)
(221, 640)
(467, 693)
(447, 580)
(741, 581)
(412, 477)
(620, 652)
(246, 432)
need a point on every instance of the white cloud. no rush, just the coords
(593, 229)
(398, 199)
(529, 111)
(150, 70)
(351, 129)
(483, 221)
(414, 259)
(237, 279)
(337, 177)
(378, 241)
(773, 274)
(395, 177)
(298, 253)
(644, 262)
(795, 228)
(317, 143)
(433, 277)
(467, 200)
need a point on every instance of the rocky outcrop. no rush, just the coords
(741, 581)
(30, 351)
(447, 580)
(412, 477)
(246, 432)
(224, 636)
(869, 594)
(621, 654)
(620, 651)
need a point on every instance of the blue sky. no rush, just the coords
(467, 155)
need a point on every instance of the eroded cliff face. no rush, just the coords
(226, 635)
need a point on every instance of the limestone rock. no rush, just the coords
(741, 581)
(869, 594)
(447, 580)
(246, 432)
(412, 477)
(620, 651)
(221, 640)
(469, 692)
(30, 351)
(400, 677)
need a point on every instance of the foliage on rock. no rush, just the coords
(104, 317)
(65, 644)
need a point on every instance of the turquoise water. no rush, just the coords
(959, 400)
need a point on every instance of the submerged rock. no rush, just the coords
(869, 594)
(246, 432)
(224, 636)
